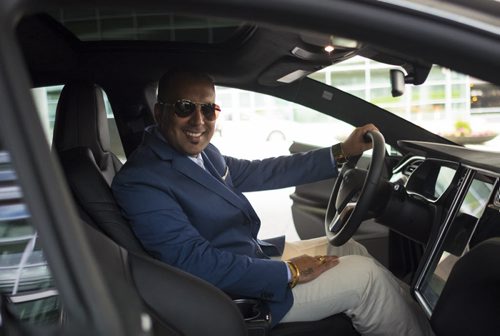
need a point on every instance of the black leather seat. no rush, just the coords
(205, 310)
(469, 303)
(81, 138)
(89, 167)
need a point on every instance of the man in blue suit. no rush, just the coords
(184, 201)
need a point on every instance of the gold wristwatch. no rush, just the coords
(338, 153)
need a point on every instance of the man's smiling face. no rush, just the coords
(189, 135)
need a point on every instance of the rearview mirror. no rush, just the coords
(397, 82)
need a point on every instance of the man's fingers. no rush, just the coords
(325, 258)
(311, 267)
(332, 261)
(327, 262)
(355, 143)
(368, 127)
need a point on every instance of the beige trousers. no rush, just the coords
(376, 302)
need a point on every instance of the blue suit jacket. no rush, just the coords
(199, 221)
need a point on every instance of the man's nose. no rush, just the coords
(197, 116)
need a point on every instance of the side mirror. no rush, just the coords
(397, 82)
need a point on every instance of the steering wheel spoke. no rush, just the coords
(351, 185)
(341, 217)
(335, 223)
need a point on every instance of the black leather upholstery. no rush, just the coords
(82, 141)
(81, 137)
(81, 121)
(113, 264)
(94, 198)
(204, 310)
(338, 324)
(470, 301)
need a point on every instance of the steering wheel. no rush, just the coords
(343, 217)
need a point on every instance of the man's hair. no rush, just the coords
(169, 79)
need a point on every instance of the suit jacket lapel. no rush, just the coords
(190, 169)
(221, 173)
(211, 168)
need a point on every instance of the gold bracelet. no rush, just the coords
(295, 273)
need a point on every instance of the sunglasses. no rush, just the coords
(185, 108)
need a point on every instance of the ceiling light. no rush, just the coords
(329, 48)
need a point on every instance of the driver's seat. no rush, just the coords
(97, 206)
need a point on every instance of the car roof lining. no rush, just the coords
(390, 27)
(240, 59)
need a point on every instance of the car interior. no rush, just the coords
(425, 207)
(89, 181)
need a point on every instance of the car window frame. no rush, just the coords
(81, 286)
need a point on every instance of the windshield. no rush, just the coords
(478, 14)
(460, 108)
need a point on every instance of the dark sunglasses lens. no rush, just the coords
(184, 108)
(208, 111)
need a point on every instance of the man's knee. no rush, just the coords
(351, 247)
(364, 263)
(364, 269)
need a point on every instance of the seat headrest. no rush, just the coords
(81, 120)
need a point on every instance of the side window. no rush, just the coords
(255, 126)
(26, 284)
(46, 99)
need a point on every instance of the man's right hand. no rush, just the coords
(312, 267)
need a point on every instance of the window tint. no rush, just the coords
(25, 280)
